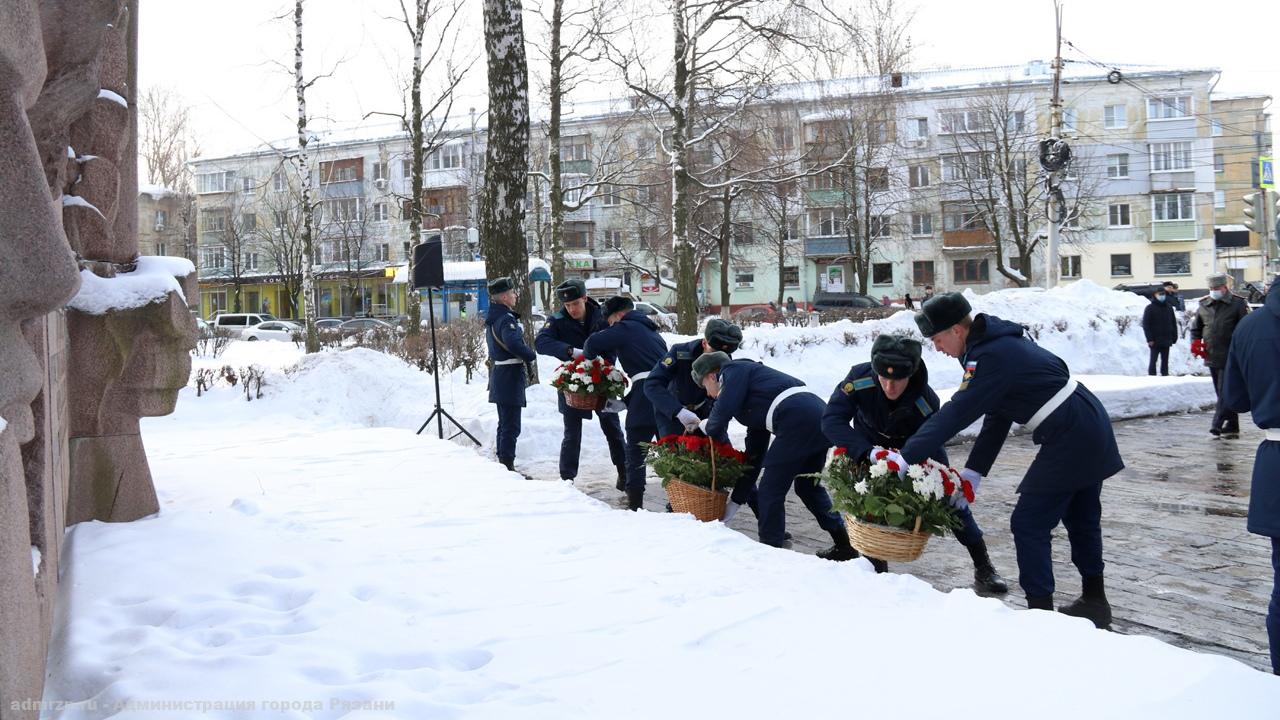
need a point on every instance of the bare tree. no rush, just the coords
(345, 237)
(166, 144)
(280, 238)
(230, 230)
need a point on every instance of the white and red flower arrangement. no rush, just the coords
(597, 379)
(879, 493)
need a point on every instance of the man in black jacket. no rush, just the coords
(1211, 331)
(1160, 326)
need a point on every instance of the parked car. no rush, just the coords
(358, 326)
(663, 318)
(759, 314)
(823, 301)
(329, 323)
(237, 323)
(273, 330)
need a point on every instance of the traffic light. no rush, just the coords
(1254, 209)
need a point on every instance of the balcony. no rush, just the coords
(960, 239)
(1173, 230)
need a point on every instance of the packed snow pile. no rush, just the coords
(152, 281)
(302, 571)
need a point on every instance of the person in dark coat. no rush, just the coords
(1211, 330)
(1007, 379)
(1173, 297)
(679, 404)
(510, 356)
(1160, 326)
(769, 402)
(1251, 384)
(906, 300)
(631, 340)
(563, 338)
(791, 305)
(882, 403)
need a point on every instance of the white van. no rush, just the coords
(237, 323)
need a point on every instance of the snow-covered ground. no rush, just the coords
(315, 558)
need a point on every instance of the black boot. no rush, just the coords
(635, 498)
(841, 550)
(880, 566)
(622, 480)
(986, 581)
(1040, 603)
(1092, 604)
(508, 463)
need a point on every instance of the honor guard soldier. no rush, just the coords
(1008, 379)
(769, 402)
(563, 338)
(633, 341)
(1251, 384)
(880, 404)
(509, 375)
(680, 404)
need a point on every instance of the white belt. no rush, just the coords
(512, 361)
(773, 406)
(1273, 434)
(639, 377)
(1054, 402)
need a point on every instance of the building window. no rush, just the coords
(1069, 120)
(921, 224)
(379, 171)
(880, 226)
(826, 222)
(384, 252)
(213, 220)
(1070, 266)
(790, 276)
(918, 176)
(610, 195)
(1121, 266)
(742, 234)
(248, 222)
(1219, 163)
(406, 168)
(346, 170)
(961, 121)
(882, 273)
(448, 157)
(1170, 107)
(246, 185)
(213, 257)
(744, 277)
(1118, 165)
(784, 137)
(278, 181)
(162, 219)
(878, 178)
(922, 273)
(1215, 128)
(959, 167)
(214, 182)
(1113, 117)
(408, 249)
(1170, 156)
(577, 239)
(575, 148)
(1173, 263)
(829, 180)
(342, 210)
(971, 271)
(1173, 206)
(379, 212)
(161, 249)
(1118, 215)
(613, 239)
(1219, 198)
(1016, 121)
(278, 217)
(251, 261)
(961, 217)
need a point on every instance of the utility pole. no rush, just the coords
(1055, 134)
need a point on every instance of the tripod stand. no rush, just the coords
(439, 414)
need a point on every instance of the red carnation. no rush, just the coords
(893, 466)
(595, 375)
(690, 442)
(839, 451)
(966, 487)
(948, 487)
(667, 440)
(881, 454)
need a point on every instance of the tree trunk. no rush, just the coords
(686, 269)
(507, 153)
(413, 300)
(726, 235)
(304, 172)
(553, 142)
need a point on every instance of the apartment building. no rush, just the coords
(929, 178)
(1241, 132)
(161, 226)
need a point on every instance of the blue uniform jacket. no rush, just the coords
(747, 389)
(562, 334)
(859, 416)
(670, 385)
(635, 344)
(1007, 378)
(506, 382)
(1252, 384)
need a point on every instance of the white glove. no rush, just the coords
(688, 418)
(871, 456)
(613, 405)
(958, 500)
(893, 456)
(730, 509)
(577, 353)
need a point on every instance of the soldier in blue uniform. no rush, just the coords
(1008, 379)
(679, 404)
(631, 340)
(563, 338)
(769, 402)
(510, 356)
(1252, 384)
(880, 404)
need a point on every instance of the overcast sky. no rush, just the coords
(222, 56)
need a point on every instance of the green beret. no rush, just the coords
(722, 335)
(895, 356)
(941, 312)
(497, 286)
(707, 362)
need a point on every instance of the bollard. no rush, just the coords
(813, 318)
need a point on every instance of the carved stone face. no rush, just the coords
(156, 341)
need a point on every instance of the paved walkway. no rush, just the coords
(1180, 565)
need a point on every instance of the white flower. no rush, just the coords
(916, 472)
(860, 487)
(880, 468)
(591, 387)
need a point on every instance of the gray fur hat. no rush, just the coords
(707, 362)
(1218, 280)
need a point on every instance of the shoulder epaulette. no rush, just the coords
(864, 383)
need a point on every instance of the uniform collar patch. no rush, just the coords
(863, 383)
(923, 406)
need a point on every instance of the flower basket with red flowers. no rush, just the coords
(696, 472)
(891, 517)
(587, 384)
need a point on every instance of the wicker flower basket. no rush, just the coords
(704, 504)
(886, 543)
(583, 401)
